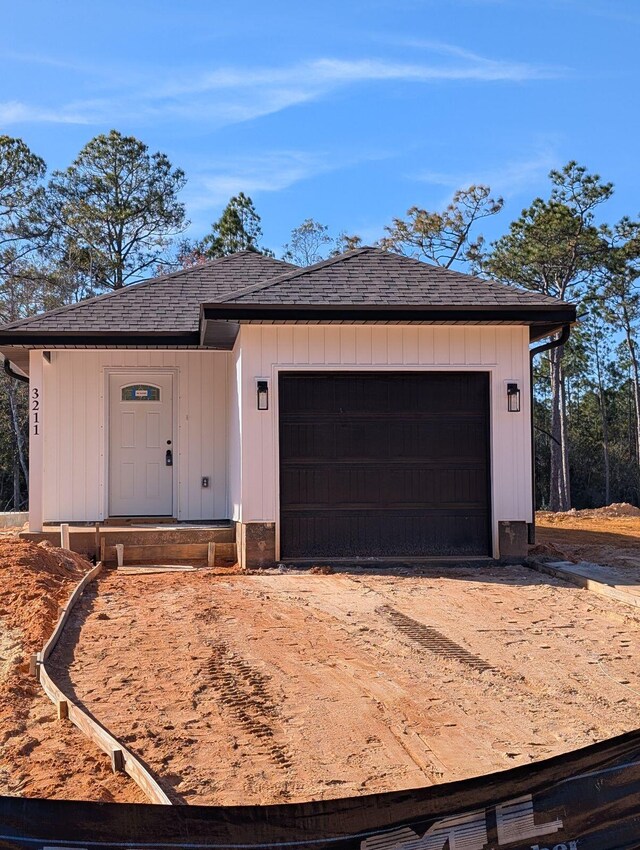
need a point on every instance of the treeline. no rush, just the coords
(115, 216)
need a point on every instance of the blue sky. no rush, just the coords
(348, 112)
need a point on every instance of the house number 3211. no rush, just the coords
(35, 409)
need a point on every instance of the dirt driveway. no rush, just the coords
(290, 686)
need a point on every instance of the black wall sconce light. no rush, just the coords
(513, 397)
(262, 389)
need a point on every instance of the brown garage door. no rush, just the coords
(384, 464)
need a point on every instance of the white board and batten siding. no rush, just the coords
(222, 435)
(75, 394)
(235, 379)
(265, 350)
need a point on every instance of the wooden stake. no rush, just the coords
(63, 710)
(64, 535)
(117, 761)
(97, 550)
(211, 555)
(120, 554)
(33, 666)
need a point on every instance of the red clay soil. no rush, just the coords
(609, 536)
(274, 687)
(286, 686)
(39, 756)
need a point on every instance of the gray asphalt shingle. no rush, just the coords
(367, 276)
(170, 303)
(377, 277)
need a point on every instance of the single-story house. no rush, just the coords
(368, 406)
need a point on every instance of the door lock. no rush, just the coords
(169, 458)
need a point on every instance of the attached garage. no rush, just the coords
(384, 464)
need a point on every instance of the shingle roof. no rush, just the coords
(364, 278)
(376, 277)
(168, 303)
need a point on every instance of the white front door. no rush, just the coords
(141, 444)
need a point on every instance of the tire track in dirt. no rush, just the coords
(352, 703)
(244, 692)
(433, 640)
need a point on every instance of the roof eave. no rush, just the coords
(560, 313)
(39, 339)
(220, 322)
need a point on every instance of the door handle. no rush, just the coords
(168, 458)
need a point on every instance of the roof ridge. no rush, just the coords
(297, 272)
(136, 286)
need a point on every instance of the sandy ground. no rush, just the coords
(290, 686)
(609, 536)
(40, 757)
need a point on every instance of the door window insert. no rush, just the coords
(140, 392)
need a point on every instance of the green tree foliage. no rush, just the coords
(237, 229)
(555, 247)
(116, 209)
(444, 238)
(13, 444)
(21, 193)
(22, 231)
(618, 298)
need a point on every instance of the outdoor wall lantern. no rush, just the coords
(262, 387)
(513, 397)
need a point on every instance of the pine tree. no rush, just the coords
(237, 229)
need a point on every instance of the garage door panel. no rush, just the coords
(384, 464)
(325, 486)
(380, 393)
(364, 535)
(384, 440)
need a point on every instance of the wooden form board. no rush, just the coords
(64, 613)
(570, 572)
(104, 740)
(121, 757)
(169, 552)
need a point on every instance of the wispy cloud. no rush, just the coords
(507, 178)
(212, 184)
(482, 67)
(235, 94)
(270, 172)
(328, 73)
(15, 112)
(48, 61)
